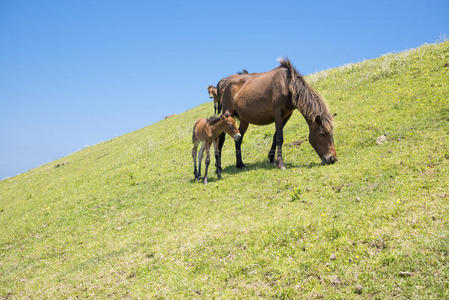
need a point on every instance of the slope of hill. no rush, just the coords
(124, 218)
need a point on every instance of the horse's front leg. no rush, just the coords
(273, 145)
(279, 141)
(221, 141)
(272, 150)
(238, 149)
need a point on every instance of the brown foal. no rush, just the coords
(207, 132)
(213, 95)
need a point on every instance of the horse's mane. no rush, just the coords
(309, 102)
(212, 120)
(244, 71)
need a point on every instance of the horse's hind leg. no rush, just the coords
(207, 162)
(273, 145)
(200, 158)
(238, 149)
(194, 153)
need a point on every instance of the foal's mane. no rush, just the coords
(212, 120)
(309, 102)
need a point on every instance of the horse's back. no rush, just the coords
(255, 97)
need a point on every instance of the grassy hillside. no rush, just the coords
(125, 219)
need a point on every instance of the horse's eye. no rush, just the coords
(323, 133)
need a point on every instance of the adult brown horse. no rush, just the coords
(264, 98)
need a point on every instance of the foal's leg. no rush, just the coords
(279, 139)
(200, 158)
(217, 157)
(215, 107)
(194, 152)
(207, 161)
(273, 146)
(238, 152)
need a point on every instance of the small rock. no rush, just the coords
(381, 140)
(333, 257)
(357, 199)
(334, 280)
(389, 150)
(434, 218)
(405, 274)
(414, 221)
(358, 288)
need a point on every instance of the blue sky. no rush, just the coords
(75, 73)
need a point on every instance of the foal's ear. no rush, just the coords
(318, 119)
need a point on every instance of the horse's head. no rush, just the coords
(230, 126)
(212, 92)
(322, 141)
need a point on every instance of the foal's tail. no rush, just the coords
(193, 134)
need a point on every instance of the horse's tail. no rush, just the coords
(193, 134)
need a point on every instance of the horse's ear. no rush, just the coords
(334, 115)
(318, 119)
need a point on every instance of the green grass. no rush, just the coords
(124, 218)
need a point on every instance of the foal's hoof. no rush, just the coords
(240, 165)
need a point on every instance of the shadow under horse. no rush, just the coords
(264, 98)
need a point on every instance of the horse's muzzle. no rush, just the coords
(329, 160)
(237, 137)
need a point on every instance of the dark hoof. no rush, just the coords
(219, 176)
(271, 157)
(240, 165)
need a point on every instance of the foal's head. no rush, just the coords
(229, 126)
(212, 92)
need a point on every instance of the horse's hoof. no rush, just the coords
(205, 181)
(280, 165)
(240, 165)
